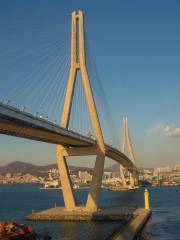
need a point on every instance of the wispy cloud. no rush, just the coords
(173, 132)
(167, 130)
(156, 129)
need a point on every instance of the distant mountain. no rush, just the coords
(113, 168)
(22, 167)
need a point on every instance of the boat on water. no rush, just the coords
(132, 188)
(16, 231)
(55, 185)
(51, 185)
(122, 188)
(75, 186)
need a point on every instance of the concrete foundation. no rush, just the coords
(82, 214)
(132, 220)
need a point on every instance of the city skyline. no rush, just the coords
(141, 50)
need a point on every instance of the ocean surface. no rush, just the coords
(17, 201)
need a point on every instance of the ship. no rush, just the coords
(53, 184)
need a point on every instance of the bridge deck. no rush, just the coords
(21, 124)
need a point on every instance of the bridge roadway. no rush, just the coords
(18, 123)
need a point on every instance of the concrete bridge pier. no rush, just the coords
(92, 203)
(127, 145)
(66, 183)
(93, 196)
(124, 183)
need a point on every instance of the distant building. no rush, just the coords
(8, 175)
(165, 169)
(107, 175)
(84, 176)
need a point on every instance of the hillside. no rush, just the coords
(22, 167)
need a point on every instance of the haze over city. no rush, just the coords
(137, 60)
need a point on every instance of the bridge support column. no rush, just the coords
(78, 63)
(122, 176)
(67, 189)
(93, 196)
(133, 178)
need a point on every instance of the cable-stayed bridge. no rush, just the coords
(72, 141)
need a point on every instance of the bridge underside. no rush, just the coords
(16, 123)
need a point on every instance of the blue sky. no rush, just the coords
(136, 49)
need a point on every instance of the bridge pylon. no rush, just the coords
(127, 145)
(78, 63)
